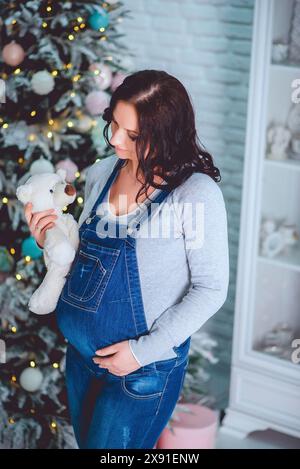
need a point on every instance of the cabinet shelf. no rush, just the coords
(275, 359)
(289, 260)
(289, 163)
(285, 66)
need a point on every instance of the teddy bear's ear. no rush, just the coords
(24, 192)
(62, 173)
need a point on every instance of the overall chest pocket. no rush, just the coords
(89, 276)
(86, 277)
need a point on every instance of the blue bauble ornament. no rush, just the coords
(98, 20)
(30, 248)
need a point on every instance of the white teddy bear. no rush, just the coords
(51, 191)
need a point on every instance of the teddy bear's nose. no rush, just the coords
(70, 190)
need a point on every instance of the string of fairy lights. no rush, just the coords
(14, 382)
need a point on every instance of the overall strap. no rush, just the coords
(108, 183)
(138, 219)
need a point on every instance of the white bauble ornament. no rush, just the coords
(42, 82)
(31, 379)
(83, 123)
(42, 165)
(102, 75)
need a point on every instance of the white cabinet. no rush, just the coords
(265, 373)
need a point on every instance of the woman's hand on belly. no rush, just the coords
(121, 361)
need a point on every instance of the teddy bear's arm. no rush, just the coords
(73, 230)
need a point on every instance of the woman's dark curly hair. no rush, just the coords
(167, 123)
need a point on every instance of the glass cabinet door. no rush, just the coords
(276, 319)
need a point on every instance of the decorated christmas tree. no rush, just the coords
(60, 62)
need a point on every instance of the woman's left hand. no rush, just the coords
(121, 362)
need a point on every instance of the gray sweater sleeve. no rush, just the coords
(201, 210)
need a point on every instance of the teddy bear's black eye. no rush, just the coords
(51, 190)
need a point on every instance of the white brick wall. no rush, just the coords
(206, 45)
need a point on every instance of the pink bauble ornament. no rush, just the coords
(13, 54)
(83, 123)
(96, 102)
(117, 80)
(102, 75)
(70, 167)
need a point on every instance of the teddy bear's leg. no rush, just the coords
(58, 246)
(44, 299)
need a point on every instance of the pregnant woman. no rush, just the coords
(151, 268)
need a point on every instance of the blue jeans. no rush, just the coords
(124, 412)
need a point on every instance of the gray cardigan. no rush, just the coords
(184, 276)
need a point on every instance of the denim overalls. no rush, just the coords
(101, 304)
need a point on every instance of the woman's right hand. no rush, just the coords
(39, 222)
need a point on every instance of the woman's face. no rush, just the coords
(124, 128)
